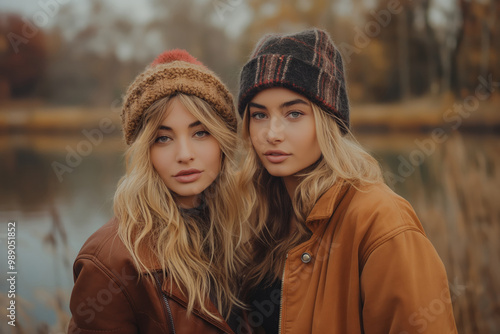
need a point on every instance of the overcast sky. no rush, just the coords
(233, 20)
(30, 7)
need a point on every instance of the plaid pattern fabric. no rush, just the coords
(307, 62)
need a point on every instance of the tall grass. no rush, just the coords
(457, 197)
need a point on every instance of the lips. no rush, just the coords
(276, 156)
(188, 175)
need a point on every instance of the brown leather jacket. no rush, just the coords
(368, 268)
(109, 298)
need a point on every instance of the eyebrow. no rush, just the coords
(283, 105)
(168, 128)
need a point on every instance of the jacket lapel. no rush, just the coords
(327, 204)
(174, 292)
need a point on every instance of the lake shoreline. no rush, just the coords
(419, 116)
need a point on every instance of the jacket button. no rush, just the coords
(306, 257)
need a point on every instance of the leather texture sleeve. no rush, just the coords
(404, 288)
(99, 301)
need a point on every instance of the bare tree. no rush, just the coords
(486, 35)
(403, 53)
(432, 48)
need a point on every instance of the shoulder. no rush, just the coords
(377, 203)
(100, 238)
(104, 249)
(376, 214)
(376, 194)
(105, 296)
(104, 239)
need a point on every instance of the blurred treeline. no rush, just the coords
(394, 49)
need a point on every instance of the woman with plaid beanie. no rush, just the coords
(167, 261)
(335, 250)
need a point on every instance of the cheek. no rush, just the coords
(309, 132)
(160, 159)
(314, 146)
(313, 140)
(305, 137)
(212, 155)
(155, 158)
(255, 133)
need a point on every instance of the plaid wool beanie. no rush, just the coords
(306, 62)
(174, 71)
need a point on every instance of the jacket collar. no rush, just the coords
(328, 202)
(173, 291)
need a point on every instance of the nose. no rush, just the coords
(275, 132)
(185, 152)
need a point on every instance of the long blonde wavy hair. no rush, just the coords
(342, 160)
(200, 255)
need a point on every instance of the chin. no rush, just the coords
(190, 192)
(278, 172)
(187, 193)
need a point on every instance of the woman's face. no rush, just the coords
(185, 155)
(282, 131)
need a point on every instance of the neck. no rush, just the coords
(188, 202)
(291, 182)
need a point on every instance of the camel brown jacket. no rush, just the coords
(368, 268)
(108, 297)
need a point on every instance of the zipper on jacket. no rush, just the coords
(281, 294)
(183, 303)
(202, 315)
(165, 300)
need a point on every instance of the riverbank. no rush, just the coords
(427, 114)
(420, 115)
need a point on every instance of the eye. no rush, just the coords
(201, 134)
(295, 114)
(162, 139)
(258, 115)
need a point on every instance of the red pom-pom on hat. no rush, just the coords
(173, 55)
